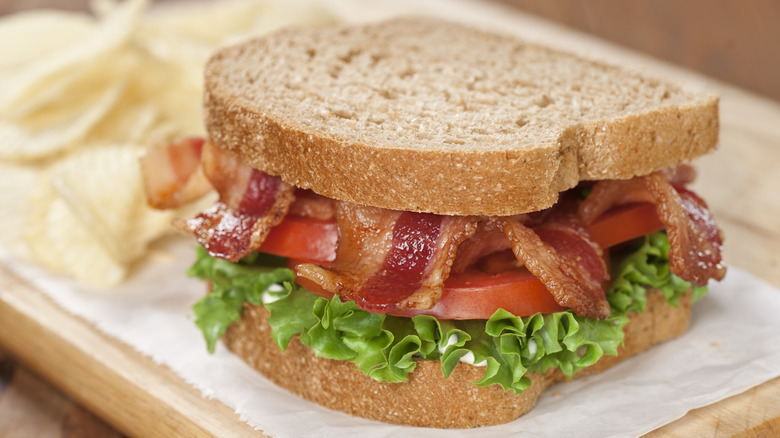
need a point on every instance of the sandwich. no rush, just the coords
(424, 223)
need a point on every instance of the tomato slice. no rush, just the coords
(625, 223)
(476, 293)
(302, 238)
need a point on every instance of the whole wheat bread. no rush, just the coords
(425, 115)
(428, 399)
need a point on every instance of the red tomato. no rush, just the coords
(305, 239)
(625, 223)
(476, 293)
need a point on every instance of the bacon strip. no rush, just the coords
(564, 259)
(695, 242)
(388, 259)
(610, 193)
(365, 238)
(454, 230)
(607, 194)
(172, 174)
(251, 202)
(694, 238)
(488, 239)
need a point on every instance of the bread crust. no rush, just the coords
(427, 399)
(353, 160)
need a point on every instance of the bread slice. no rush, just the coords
(427, 398)
(425, 115)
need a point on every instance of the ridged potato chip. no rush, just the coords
(53, 131)
(43, 33)
(16, 187)
(57, 69)
(174, 89)
(130, 122)
(109, 199)
(61, 242)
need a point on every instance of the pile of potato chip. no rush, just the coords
(82, 95)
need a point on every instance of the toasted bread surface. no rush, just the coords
(425, 115)
(427, 399)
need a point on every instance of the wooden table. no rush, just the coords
(748, 208)
(30, 406)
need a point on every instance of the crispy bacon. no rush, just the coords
(564, 259)
(454, 230)
(695, 243)
(388, 259)
(251, 202)
(694, 238)
(488, 239)
(607, 194)
(172, 174)
(365, 237)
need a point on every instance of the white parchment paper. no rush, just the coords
(732, 346)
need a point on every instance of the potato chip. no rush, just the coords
(16, 186)
(130, 122)
(173, 89)
(53, 131)
(61, 242)
(56, 70)
(42, 33)
(103, 188)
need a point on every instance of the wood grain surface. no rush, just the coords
(31, 407)
(741, 182)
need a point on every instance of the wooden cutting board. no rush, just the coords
(741, 182)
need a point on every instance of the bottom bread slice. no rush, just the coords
(428, 399)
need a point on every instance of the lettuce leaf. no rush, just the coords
(648, 266)
(232, 284)
(385, 347)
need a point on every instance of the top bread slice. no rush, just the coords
(426, 115)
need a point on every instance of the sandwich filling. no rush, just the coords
(587, 260)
